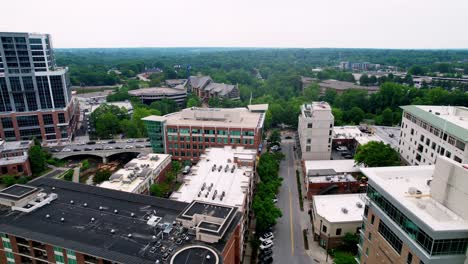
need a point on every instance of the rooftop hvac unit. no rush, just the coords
(359, 205)
(226, 168)
(220, 168)
(344, 210)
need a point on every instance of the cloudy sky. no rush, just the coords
(419, 24)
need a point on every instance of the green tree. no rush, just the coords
(330, 96)
(266, 213)
(338, 115)
(85, 164)
(387, 117)
(364, 80)
(68, 175)
(416, 70)
(355, 115)
(159, 189)
(311, 93)
(376, 154)
(344, 258)
(8, 180)
(275, 136)
(101, 176)
(193, 101)
(37, 159)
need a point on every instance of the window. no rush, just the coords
(391, 238)
(307, 148)
(56, 84)
(338, 231)
(61, 118)
(309, 125)
(367, 251)
(428, 141)
(369, 236)
(448, 154)
(366, 210)
(44, 92)
(372, 219)
(7, 122)
(433, 146)
(409, 258)
(422, 138)
(324, 228)
(460, 145)
(309, 141)
(27, 121)
(457, 159)
(412, 131)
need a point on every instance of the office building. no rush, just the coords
(205, 88)
(315, 130)
(139, 173)
(335, 215)
(153, 94)
(35, 94)
(224, 176)
(186, 134)
(341, 86)
(14, 159)
(55, 221)
(416, 214)
(330, 177)
(429, 131)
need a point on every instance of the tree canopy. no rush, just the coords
(377, 154)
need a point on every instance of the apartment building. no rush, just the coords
(14, 159)
(315, 130)
(429, 131)
(416, 214)
(205, 88)
(139, 173)
(334, 216)
(186, 134)
(35, 94)
(55, 221)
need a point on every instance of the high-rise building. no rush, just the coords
(428, 131)
(415, 214)
(315, 130)
(35, 94)
(186, 134)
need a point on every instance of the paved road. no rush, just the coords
(385, 133)
(81, 147)
(289, 242)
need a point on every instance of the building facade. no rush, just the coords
(430, 131)
(35, 94)
(149, 95)
(14, 158)
(315, 130)
(416, 214)
(186, 134)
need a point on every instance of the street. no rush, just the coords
(289, 242)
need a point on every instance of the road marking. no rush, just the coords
(291, 222)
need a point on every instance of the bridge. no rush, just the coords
(101, 150)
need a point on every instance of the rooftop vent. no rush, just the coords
(47, 216)
(359, 205)
(116, 211)
(129, 235)
(112, 231)
(93, 219)
(101, 208)
(344, 210)
(72, 202)
(85, 204)
(132, 214)
(62, 219)
(412, 190)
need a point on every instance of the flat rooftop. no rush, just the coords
(137, 171)
(397, 181)
(216, 178)
(341, 85)
(17, 192)
(156, 91)
(212, 117)
(338, 166)
(339, 208)
(332, 178)
(102, 222)
(453, 119)
(14, 145)
(353, 132)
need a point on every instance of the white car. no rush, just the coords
(108, 148)
(266, 244)
(81, 143)
(130, 140)
(66, 150)
(128, 147)
(267, 236)
(342, 148)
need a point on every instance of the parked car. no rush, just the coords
(349, 156)
(186, 170)
(108, 147)
(139, 146)
(91, 143)
(66, 150)
(81, 143)
(342, 148)
(267, 236)
(130, 140)
(266, 244)
(265, 252)
(55, 150)
(88, 149)
(111, 142)
(140, 140)
(266, 259)
(128, 147)
(118, 147)
(345, 153)
(275, 200)
(98, 148)
(76, 149)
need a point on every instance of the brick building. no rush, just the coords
(186, 134)
(54, 221)
(35, 94)
(14, 158)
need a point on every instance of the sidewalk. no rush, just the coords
(315, 252)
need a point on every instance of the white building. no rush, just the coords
(430, 131)
(223, 176)
(334, 216)
(138, 174)
(315, 131)
(416, 214)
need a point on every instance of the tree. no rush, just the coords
(275, 136)
(159, 189)
(364, 80)
(193, 101)
(266, 213)
(344, 258)
(37, 159)
(354, 115)
(85, 164)
(330, 96)
(416, 70)
(387, 117)
(376, 154)
(68, 175)
(311, 93)
(8, 180)
(338, 115)
(101, 176)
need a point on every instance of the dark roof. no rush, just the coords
(79, 233)
(196, 254)
(17, 192)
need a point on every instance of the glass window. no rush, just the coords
(61, 118)
(44, 92)
(409, 258)
(48, 119)
(324, 228)
(27, 121)
(391, 238)
(338, 231)
(58, 91)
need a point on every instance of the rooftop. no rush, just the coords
(17, 192)
(317, 110)
(452, 119)
(136, 172)
(338, 166)
(330, 178)
(353, 132)
(399, 183)
(216, 178)
(339, 207)
(156, 91)
(117, 226)
(14, 145)
(258, 107)
(341, 85)
(212, 117)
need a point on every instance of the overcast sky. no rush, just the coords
(419, 24)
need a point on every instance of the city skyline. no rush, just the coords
(298, 24)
